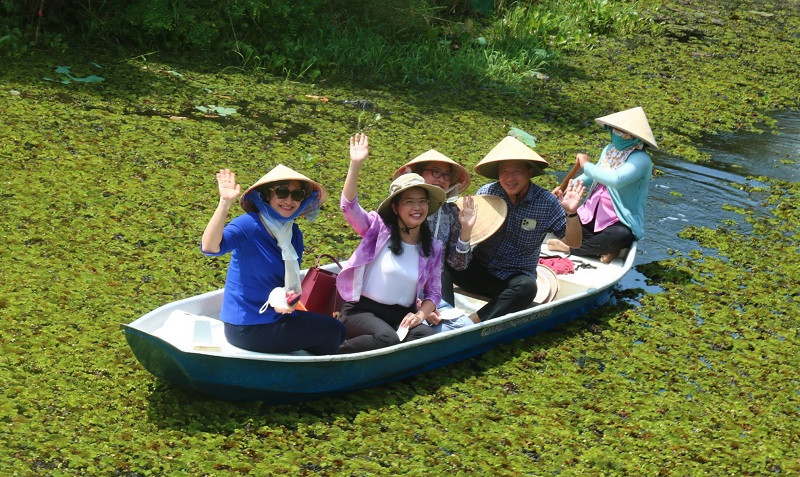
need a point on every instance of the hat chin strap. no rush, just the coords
(452, 191)
(405, 228)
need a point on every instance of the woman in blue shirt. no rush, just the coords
(266, 250)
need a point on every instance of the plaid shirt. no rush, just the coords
(516, 246)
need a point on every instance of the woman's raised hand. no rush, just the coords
(468, 213)
(228, 188)
(228, 192)
(359, 148)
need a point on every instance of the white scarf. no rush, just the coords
(283, 234)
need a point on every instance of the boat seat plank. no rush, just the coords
(208, 335)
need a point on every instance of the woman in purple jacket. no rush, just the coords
(396, 261)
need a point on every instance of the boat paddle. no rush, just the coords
(570, 175)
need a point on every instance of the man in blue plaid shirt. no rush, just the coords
(504, 266)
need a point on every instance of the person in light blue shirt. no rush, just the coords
(612, 216)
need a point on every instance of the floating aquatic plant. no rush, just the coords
(216, 110)
(67, 77)
(103, 210)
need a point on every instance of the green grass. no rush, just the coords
(512, 46)
(399, 41)
(105, 195)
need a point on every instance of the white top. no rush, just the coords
(392, 279)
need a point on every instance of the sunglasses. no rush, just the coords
(283, 192)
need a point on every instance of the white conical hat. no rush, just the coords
(632, 121)
(280, 173)
(510, 149)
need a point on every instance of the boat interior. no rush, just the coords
(588, 274)
(194, 325)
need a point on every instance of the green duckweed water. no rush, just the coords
(106, 191)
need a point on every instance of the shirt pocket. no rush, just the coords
(528, 234)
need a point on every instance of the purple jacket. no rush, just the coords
(375, 235)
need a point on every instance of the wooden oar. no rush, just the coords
(570, 175)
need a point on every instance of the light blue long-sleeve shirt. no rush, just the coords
(627, 186)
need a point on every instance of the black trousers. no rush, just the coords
(506, 296)
(372, 325)
(611, 239)
(315, 333)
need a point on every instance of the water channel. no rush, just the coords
(694, 193)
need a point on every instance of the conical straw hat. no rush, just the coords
(436, 195)
(546, 284)
(433, 155)
(632, 121)
(491, 215)
(510, 149)
(281, 173)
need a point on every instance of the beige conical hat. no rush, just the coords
(280, 173)
(433, 155)
(436, 195)
(546, 284)
(632, 121)
(510, 149)
(491, 215)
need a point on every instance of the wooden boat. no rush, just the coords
(183, 343)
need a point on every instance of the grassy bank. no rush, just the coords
(378, 41)
(108, 186)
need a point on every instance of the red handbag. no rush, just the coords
(319, 292)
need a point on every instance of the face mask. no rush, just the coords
(620, 142)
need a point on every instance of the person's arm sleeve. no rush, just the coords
(299, 245)
(558, 222)
(432, 289)
(457, 253)
(356, 216)
(633, 170)
(233, 236)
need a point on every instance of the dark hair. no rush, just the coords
(392, 220)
